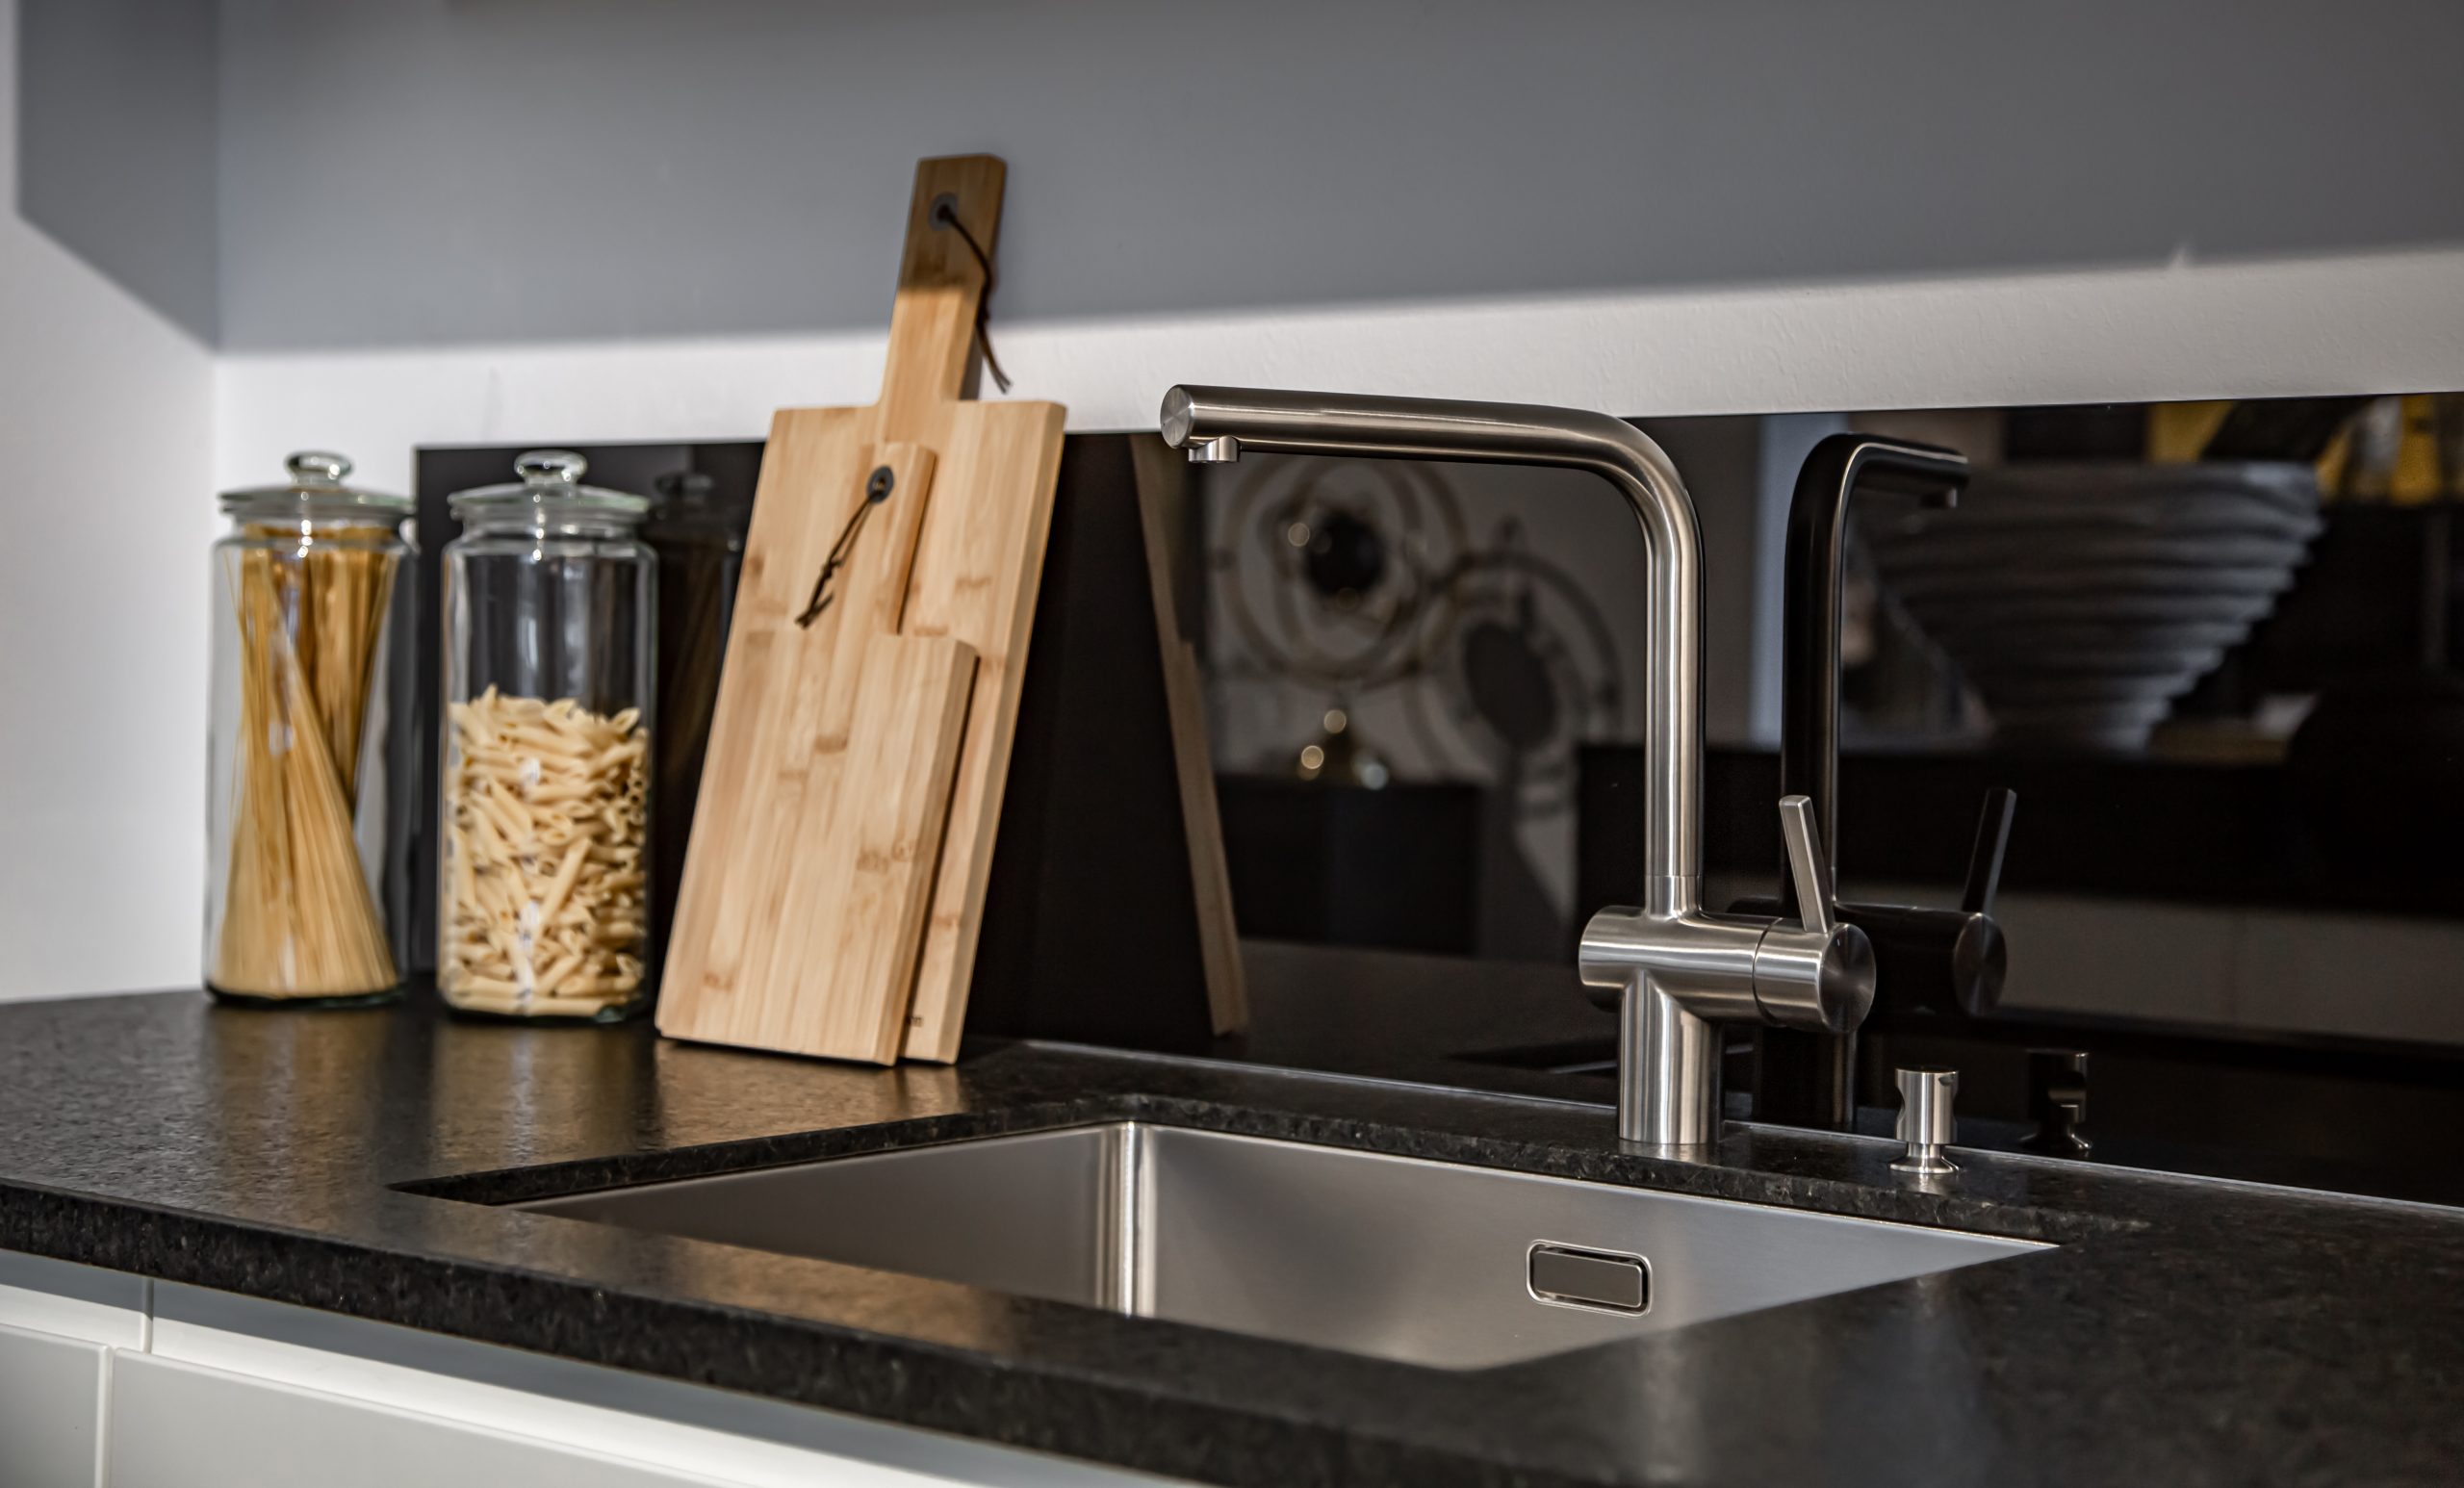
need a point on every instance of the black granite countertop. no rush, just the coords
(2182, 1332)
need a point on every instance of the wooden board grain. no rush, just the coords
(976, 579)
(869, 893)
(841, 749)
(763, 866)
(1164, 507)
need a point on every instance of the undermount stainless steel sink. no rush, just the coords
(1426, 1262)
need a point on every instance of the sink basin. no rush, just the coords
(1426, 1262)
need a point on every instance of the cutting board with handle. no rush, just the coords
(861, 740)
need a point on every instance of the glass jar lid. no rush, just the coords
(551, 482)
(316, 482)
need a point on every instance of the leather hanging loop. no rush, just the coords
(945, 214)
(877, 489)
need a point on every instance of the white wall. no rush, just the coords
(2373, 322)
(106, 439)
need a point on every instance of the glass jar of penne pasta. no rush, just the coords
(543, 907)
(299, 871)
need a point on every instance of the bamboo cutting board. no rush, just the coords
(845, 824)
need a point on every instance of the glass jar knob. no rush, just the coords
(318, 468)
(550, 467)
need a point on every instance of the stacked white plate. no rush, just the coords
(2081, 599)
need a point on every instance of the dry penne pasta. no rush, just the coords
(545, 818)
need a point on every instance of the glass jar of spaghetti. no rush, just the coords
(543, 905)
(304, 891)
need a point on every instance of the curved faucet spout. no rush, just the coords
(1673, 971)
(1215, 425)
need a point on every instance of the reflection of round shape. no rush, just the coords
(2121, 728)
(2019, 686)
(2063, 635)
(1528, 673)
(1350, 613)
(2093, 550)
(1508, 683)
(2053, 573)
(2225, 491)
(2081, 598)
(1944, 614)
(1346, 556)
(2092, 663)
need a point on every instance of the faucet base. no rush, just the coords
(1668, 1071)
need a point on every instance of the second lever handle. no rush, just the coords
(1985, 860)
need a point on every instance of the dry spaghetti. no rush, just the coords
(297, 919)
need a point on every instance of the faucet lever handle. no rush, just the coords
(1993, 839)
(1808, 864)
(1818, 974)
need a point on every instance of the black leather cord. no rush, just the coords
(944, 215)
(877, 489)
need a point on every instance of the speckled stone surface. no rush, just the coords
(2182, 1333)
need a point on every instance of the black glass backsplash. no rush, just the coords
(1418, 685)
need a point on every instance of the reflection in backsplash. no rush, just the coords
(1405, 627)
(2208, 646)
(2235, 618)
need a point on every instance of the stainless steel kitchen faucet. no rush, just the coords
(1672, 972)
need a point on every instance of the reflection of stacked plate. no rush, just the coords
(2082, 598)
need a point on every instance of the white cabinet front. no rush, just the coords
(183, 1425)
(51, 1407)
